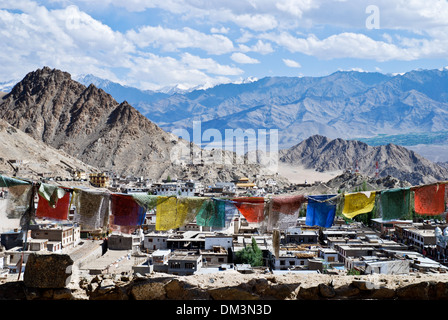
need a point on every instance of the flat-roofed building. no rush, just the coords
(184, 263)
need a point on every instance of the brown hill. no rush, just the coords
(87, 123)
(33, 159)
(324, 154)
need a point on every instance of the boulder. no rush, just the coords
(364, 285)
(181, 290)
(347, 291)
(417, 291)
(311, 293)
(326, 291)
(45, 270)
(148, 290)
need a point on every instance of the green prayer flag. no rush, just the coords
(212, 214)
(146, 201)
(6, 182)
(394, 203)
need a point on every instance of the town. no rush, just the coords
(384, 247)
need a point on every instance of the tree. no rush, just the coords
(250, 255)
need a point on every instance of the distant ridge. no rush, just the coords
(345, 104)
(325, 154)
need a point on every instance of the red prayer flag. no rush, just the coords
(60, 212)
(430, 200)
(252, 208)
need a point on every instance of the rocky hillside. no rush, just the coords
(36, 159)
(87, 123)
(324, 154)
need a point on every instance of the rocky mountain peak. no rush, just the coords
(323, 155)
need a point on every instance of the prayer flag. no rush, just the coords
(358, 203)
(320, 211)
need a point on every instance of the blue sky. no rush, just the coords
(189, 43)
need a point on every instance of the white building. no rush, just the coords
(155, 241)
(159, 260)
(292, 259)
(184, 263)
(219, 240)
(328, 254)
(177, 188)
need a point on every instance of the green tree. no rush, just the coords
(250, 255)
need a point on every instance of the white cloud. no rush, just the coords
(153, 72)
(209, 65)
(219, 30)
(257, 22)
(37, 37)
(296, 7)
(173, 40)
(291, 63)
(73, 41)
(242, 58)
(259, 47)
(343, 45)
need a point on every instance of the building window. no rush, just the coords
(175, 265)
(189, 265)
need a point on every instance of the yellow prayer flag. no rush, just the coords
(172, 212)
(166, 213)
(358, 203)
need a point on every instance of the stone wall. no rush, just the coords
(104, 287)
(50, 277)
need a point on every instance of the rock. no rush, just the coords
(180, 290)
(232, 294)
(62, 294)
(12, 291)
(311, 293)
(364, 285)
(109, 290)
(417, 291)
(382, 293)
(326, 291)
(440, 291)
(347, 291)
(259, 286)
(106, 286)
(148, 290)
(281, 292)
(47, 270)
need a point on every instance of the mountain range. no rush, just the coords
(365, 106)
(90, 125)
